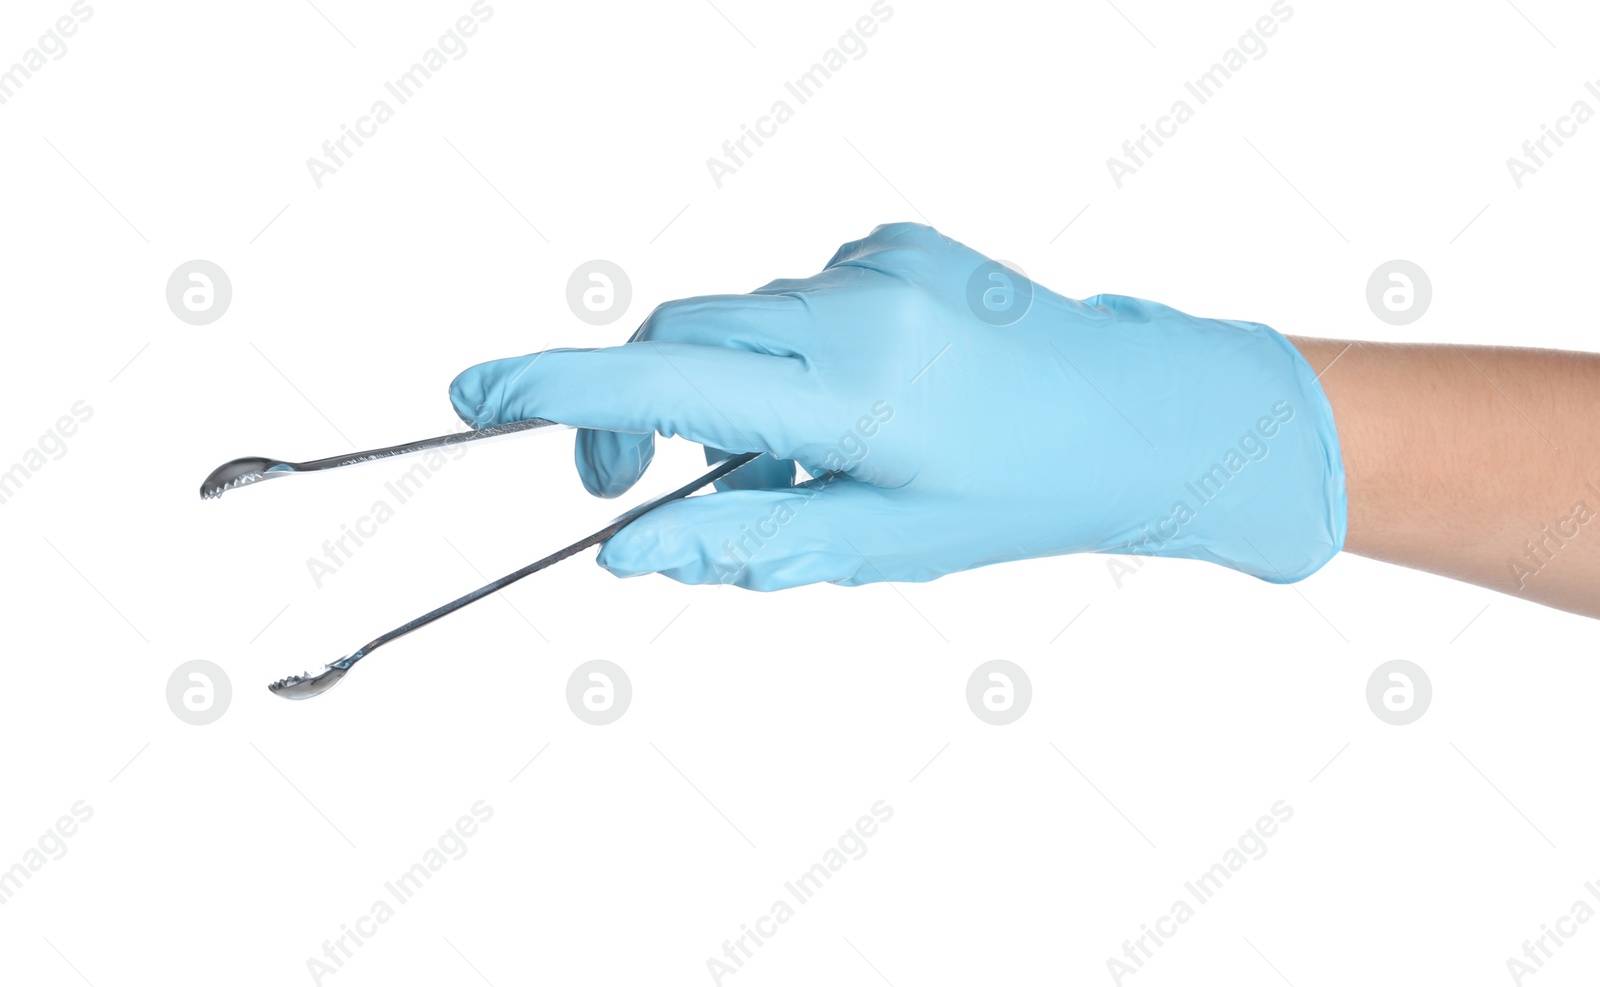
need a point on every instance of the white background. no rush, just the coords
(1170, 714)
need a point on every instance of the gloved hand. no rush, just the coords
(953, 414)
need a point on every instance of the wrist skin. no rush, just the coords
(1477, 463)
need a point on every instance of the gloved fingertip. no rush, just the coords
(469, 397)
(645, 546)
(754, 539)
(610, 463)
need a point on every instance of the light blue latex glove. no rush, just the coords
(953, 415)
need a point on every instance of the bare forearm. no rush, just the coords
(1478, 463)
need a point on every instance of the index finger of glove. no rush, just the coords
(727, 398)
